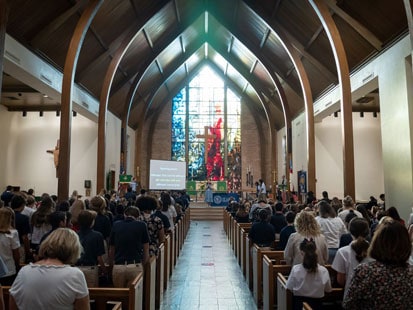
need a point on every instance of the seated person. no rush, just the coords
(308, 281)
(262, 233)
(286, 231)
(52, 283)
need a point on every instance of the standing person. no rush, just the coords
(130, 196)
(286, 231)
(278, 220)
(262, 233)
(386, 283)
(263, 187)
(308, 281)
(331, 227)
(93, 248)
(40, 222)
(102, 222)
(257, 188)
(350, 256)
(147, 205)
(18, 203)
(168, 209)
(325, 197)
(7, 195)
(9, 246)
(52, 283)
(129, 248)
(348, 205)
(307, 228)
(208, 194)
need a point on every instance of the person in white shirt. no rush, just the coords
(263, 188)
(331, 227)
(308, 281)
(348, 204)
(350, 256)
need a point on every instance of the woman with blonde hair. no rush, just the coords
(75, 209)
(9, 245)
(307, 228)
(102, 222)
(70, 291)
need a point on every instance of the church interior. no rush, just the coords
(323, 88)
(313, 98)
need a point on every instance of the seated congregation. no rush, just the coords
(324, 254)
(80, 254)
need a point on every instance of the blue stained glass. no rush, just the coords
(205, 135)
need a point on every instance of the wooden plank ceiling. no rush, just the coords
(171, 40)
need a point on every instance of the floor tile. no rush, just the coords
(207, 275)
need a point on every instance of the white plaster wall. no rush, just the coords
(395, 126)
(368, 160)
(24, 161)
(299, 149)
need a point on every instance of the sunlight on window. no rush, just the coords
(206, 130)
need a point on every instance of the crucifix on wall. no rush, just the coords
(55, 153)
(206, 136)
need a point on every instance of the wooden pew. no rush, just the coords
(114, 305)
(285, 296)
(130, 297)
(149, 284)
(171, 248)
(167, 260)
(160, 273)
(238, 252)
(244, 250)
(271, 266)
(257, 269)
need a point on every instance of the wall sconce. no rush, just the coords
(361, 114)
(41, 113)
(74, 113)
(24, 113)
(57, 113)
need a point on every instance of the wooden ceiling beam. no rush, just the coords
(314, 37)
(358, 27)
(99, 60)
(275, 9)
(44, 35)
(161, 46)
(301, 50)
(258, 52)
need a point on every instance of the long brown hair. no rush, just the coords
(359, 229)
(310, 259)
(391, 244)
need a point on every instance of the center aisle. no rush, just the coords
(207, 275)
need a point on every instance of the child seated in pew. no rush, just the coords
(350, 256)
(308, 281)
(262, 233)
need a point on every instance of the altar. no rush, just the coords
(196, 189)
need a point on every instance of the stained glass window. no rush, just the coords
(206, 130)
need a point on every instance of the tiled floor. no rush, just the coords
(207, 275)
